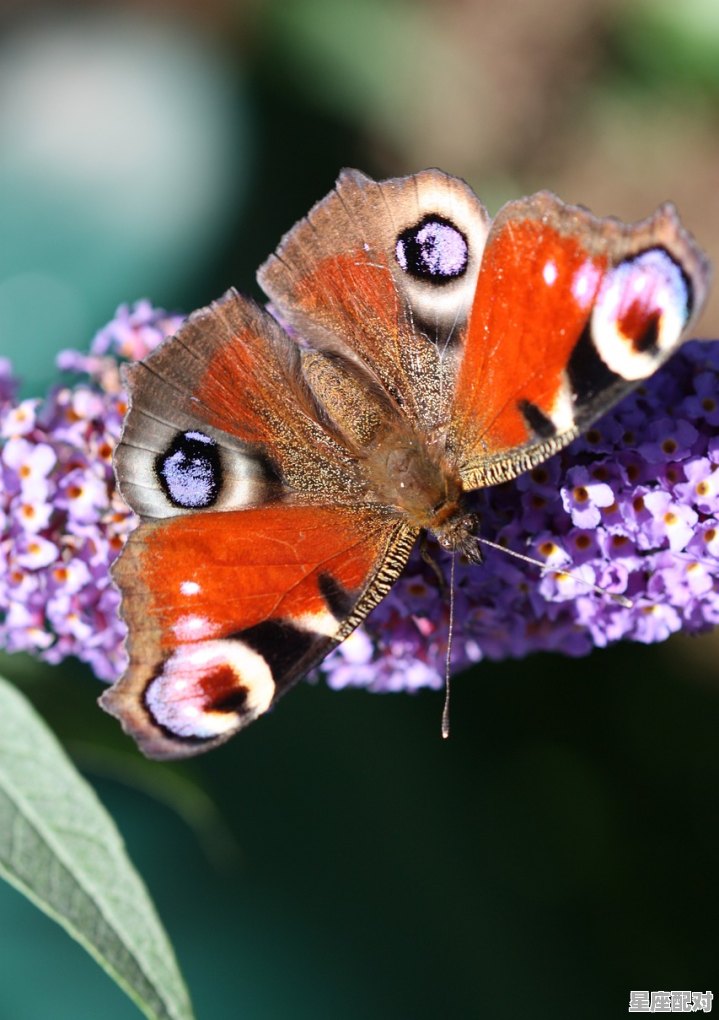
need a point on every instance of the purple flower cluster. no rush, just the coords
(62, 522)
(631, 506)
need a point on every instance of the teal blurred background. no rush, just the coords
(339, 859)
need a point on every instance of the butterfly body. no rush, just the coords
(284, 465)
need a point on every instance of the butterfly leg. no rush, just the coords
(426, 554)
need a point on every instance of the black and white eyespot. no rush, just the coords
(166, 469)
(211, 686)
(209, 689)
(639, 314)
(433, 249)
(190, 471)
(437, 249)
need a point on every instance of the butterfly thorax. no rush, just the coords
(416, 476)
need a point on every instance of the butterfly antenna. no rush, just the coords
(621, 600)
(450, 634)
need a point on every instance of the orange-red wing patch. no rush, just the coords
(226, 610)
(534, 297)
(348, 302)
(570, 311)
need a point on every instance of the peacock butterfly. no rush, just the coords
(283, 473)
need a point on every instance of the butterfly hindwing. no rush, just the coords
(227, 609)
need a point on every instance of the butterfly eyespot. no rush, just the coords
(209, 688)
(641, 309)
(189, 471)
(434, 250)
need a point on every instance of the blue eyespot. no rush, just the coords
(434, 249)
(190, 471)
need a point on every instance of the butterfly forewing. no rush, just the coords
(359, 276)
(226, 610)
(569, 313)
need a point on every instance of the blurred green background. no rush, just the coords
(339, 859)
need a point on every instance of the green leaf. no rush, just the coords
(61, 849)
